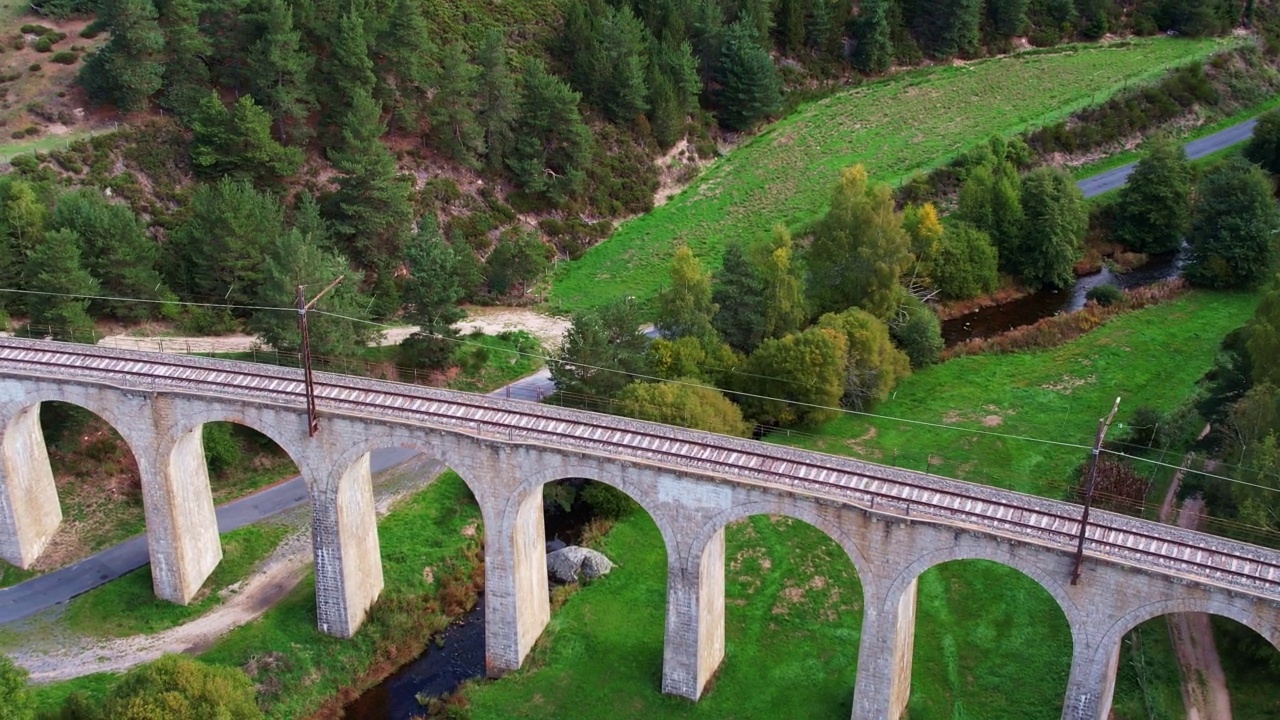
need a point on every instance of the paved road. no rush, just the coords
(45, 591)
(1196, 149)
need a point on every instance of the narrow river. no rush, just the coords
(1025, 311)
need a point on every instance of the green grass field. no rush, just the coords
(1148, 357)
(910, 122)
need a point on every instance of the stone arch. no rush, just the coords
(30, 507)
(193, 420)
(801, 511)
(1240, 609)
(1052, 584)
(418, 440)
(533, 480)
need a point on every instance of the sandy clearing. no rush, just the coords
(548, 329)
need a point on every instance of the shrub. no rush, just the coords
(34, 67)
(44, 44)
(221, 451)
(1105, 295)
(65, 57)
(37, 30)
(17, 134)
(91, 31)
(19, 43)
(31, 131)
(607, 501)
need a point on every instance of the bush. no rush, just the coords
(44, 44)
(221, 451)
(91, 31)
(1105, 295)
(65, 57)
(608, 502)
(177, 686)
(34, 67)
(37, 30)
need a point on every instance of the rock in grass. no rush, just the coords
(574, 563)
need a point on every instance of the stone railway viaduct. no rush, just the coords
(893, 524)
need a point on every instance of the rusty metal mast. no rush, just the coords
(1103, 425)
(303, 307)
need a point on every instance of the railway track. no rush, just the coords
(1116, 538)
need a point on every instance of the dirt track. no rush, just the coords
(64, 658)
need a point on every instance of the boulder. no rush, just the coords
(573, 563)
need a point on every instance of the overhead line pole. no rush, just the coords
(1103, 425)
(313, 424)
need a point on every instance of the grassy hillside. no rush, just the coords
(894, 127)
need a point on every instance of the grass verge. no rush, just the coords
(906, 123)
(128, 606)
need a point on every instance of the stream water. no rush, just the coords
(1027, 310)
(457, 654)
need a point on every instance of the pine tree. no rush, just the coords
(873, 53)
(1154, 211)
(186, 77)
(750, 88)
(665, 117)
(1233, 228)
(623, 95)
(277, 68)
(708, 38)
(371, 211)
(790, 26)
(1055, 220)
(54, 267)
(859, 249)
(453, 118)
(1008, 17)
(127, 71)
(238, 143)
(295, 259)
(495, 101)
(217, 251)
(116, 251)
(431, 295)
(738, 294)
(348, 74)
(819, 27)
(553, 145)
(406, 71)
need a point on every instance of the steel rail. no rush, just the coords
(833, 479)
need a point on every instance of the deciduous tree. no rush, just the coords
(520, 258)
(1233, 228)
(796, 379)
(15, 702)
(784, 305)
(176, 686)
(1154, 211)
(1054, 223)
(859, 249)
(1264, 147)
(683, 403)
(873, 366)
(685, 308)
(965, 264)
